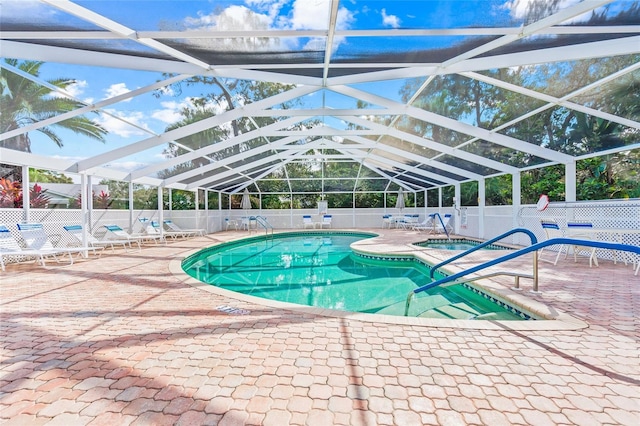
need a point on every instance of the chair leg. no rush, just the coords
(557, 257)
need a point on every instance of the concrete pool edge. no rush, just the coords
(553, 319)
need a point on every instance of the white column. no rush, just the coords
(89, 196)
(130, 205)
(26, 195)
(206, 209)
(570, 181)
(197, 201)
(456, 207)
(83, 208)
(482, 202)
(516, 194)
(161, 211)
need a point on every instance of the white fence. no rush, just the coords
(495, 220)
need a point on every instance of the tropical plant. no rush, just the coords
(25, 102)
(38, 198)
(11, 195)
(101, 201)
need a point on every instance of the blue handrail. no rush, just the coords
(534, 247)
(441, 223)
(486, 243)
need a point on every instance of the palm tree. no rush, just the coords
(25, 102)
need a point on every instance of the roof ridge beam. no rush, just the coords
(458, 126)
(191, 128)
(445, 149)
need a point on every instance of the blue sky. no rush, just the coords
(94, 84)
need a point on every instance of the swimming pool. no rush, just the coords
(319, 269)
(458, 244)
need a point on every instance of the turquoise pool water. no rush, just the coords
(319, 269)
(456, 244)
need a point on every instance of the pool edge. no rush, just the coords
(554, 320)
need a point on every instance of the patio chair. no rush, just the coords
(387, 221)
(10, 249)
(114, 232)
(170, 226)
(35, 238)
(153, 228)
(326, 221)
(426, 225)
(76, 232)
(444, 226)
(582, 230)
(552, 230)
(307, 222)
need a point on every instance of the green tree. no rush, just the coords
(42, 176)
(25, 102)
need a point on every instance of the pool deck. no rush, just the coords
(124, 339)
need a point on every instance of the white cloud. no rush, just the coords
(118, 127)
(520, 8)
(126, 166)
(115, 90)
(76, 89)
(172, 110)
(390, 20)
(265, 15)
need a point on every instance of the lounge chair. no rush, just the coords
(194, 231)
(307, 222)
(582, 230)
(153, 228)
(427, 224)
(10, 249)
(444, 226)
(76, 233)
(114, 232)
(326, 221)
(35, 238)
(387, 221)
(552, 230)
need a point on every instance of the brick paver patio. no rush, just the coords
(120, 340)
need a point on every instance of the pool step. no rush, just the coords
(451, 311)
(437, 306)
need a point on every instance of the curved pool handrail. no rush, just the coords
(531, 235)
(534, 247)
(433, 215)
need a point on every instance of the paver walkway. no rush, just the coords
(119, 340)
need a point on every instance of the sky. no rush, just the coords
(155, 113)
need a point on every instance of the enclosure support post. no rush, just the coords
(130, 204)
(570, 181)
(26, 201)
(482, 201)
(516, 194)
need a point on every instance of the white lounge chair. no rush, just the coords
(307, 222)
(10, 249)
(445, 225)
(76, 233)
(153, 228)
(169, 225)
(35, 238)
(114, 232)
(426, 225)
(552, 230)
(326, 221)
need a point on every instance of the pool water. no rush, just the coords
(458, 245)
(320, 270)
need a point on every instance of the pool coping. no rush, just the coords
(384, 247)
